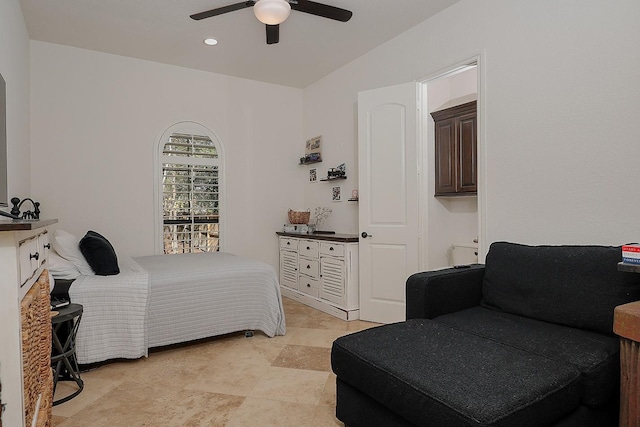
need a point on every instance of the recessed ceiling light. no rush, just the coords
(210, 42)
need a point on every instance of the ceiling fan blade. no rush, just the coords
(221, 10)
(273, 33)
(323, 10)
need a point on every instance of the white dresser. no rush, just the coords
(24, 305)
(321, 271)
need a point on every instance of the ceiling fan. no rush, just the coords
(274, 12)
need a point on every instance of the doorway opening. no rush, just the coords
(451, 199)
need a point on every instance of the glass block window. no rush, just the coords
(190, 194)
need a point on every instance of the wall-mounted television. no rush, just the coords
(4, 187)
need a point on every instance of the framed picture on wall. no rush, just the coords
(313, 149)
(336, 194)
(313, 175)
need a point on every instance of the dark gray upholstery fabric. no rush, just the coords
(576, 286)
(595, 355)
(356, 409)
(434, 293)
(433, 374)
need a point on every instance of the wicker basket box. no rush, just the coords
(299, 217)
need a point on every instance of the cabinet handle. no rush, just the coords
(331, 248)
(308, 248)
(47, 246)
(308, 266)
(288, 243)
(36, 256)
(308, 285)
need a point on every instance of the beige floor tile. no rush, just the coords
(202, 409)
(297, 320)
(261, 351)
(314, 337)
(228, 377)
(304, 357)
(272, 413)
(291, 385)
(325, 416)
(57, 420)
(293, 306)
(129, 404)
(199, 350)
(229, 380)
(94, 390)
(328, 396)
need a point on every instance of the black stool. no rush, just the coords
(63, 355)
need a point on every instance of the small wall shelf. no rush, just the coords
(353, 200)
(308, 162)
(334, 179)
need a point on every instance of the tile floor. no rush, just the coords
(226, 381)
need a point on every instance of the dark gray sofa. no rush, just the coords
(524, 340)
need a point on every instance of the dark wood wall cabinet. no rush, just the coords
(456, 150)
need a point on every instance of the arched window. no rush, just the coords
(189, 190)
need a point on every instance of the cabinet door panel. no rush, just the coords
(467, 148)
(445, 153)
(289, 269)
(333, 280)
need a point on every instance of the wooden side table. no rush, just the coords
(626, 324)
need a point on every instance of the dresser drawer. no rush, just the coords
(332, 249)
(308, 248)
(29, 258)
(309, 286)
(291, 244)
(309, 267)
(44, 246)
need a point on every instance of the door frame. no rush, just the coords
(424, 124)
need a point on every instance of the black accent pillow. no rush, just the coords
(99, 254)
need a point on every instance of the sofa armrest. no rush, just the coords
(434, 293)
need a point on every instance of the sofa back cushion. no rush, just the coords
(577, 286)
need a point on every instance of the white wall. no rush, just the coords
(14, 67)
(96, 118)
(334, 117)
(560, 95)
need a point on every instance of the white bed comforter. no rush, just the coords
(114, 316)
(167, 299)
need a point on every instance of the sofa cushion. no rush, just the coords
(425, 370)
(595, 355)
(576, 286)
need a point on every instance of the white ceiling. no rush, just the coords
(160, 30)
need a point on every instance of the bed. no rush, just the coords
(166, 299)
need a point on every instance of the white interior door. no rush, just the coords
(388, 207)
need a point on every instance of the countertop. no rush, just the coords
(344, 238)
(24, 224)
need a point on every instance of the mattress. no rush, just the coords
(167, 299)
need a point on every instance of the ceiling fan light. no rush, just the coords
(272, 12)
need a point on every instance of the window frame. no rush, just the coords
(193, 128)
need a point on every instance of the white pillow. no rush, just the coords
(60, 268)
(66, 245)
